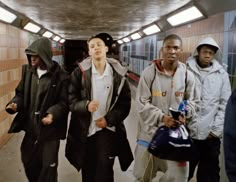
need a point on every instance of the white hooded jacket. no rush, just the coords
(214, 90)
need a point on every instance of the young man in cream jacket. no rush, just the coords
(163, 84)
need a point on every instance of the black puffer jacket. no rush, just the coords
(35, 97)
(79, 94)
(230, 138)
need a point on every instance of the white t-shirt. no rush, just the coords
(102, 88)
(41, 72)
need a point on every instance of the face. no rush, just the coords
(36, 61)
(205, 56)
(171, 50)
(97, 49)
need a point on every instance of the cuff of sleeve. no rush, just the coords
(87, 103)
(161, 117)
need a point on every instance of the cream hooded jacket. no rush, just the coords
(214, 91)
(157, 92)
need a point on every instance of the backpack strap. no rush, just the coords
(83, 76)
(186, 85)
(154, 75)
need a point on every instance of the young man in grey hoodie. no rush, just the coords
(212, 84)
(162, 85)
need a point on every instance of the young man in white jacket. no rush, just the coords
(162, 85)
(212, 84)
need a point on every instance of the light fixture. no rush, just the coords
(47, 34)
(56, 38)
(151, 29)
(32, 27)
(6, 16)
(184, 16)
(135, 36)
(126, 39)
(62, 41)
(120, 41)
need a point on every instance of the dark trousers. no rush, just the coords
(207, 159)
(100, 155)
(40, 160)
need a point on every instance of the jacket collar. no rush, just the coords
(87, 64)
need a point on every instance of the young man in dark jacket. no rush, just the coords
(230, 138)
(100, 100)
(42, 107)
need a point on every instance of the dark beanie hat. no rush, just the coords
(107, 39)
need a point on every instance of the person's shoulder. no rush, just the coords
(149, 69)
(222, 69)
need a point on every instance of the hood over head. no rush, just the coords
(43, 48)
(210, 41)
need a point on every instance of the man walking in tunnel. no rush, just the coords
(41, 101)
(163, 84)
(100, 100)
(206, 129)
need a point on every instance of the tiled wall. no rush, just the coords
(193, 33)
(138, 54)
(12, 44)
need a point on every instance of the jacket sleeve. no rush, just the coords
(76, 103)
(230, 137)
(60, 109)
(225, 92)
(19, 93)
(122, 107)
(192, 96)
(149, 114)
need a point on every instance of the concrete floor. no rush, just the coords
(11, 169)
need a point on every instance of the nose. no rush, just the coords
(32, 58)
(171, 50)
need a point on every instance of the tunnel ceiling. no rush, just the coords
(79, 19)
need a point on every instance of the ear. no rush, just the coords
(89, 53)
(106, 49)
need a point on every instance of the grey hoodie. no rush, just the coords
(155, 96)
(214, 90)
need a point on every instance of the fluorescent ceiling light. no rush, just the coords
(126, 39)
(185, 16)
(56, 38)
(135, 36)
(120, 41)
(6, 16)
(62, 41)
(151, 30)
(47, 34)
(32, 27)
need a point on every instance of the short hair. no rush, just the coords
(105, 37)
(213, 48)
(172, 36)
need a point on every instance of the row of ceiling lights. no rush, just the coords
(190, 14)
(9, 17)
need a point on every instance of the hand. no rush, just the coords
(48, 119)
(211, 135)
(12, 107)
(169, 121)
(182, 119)
(93, 106)
(101, 123)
